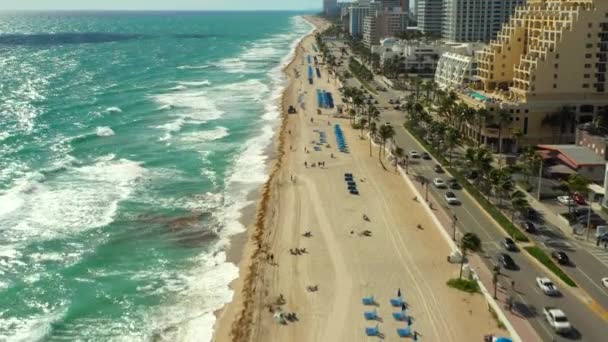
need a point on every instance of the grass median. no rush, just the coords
(544, 259)
(465, 285)
(485, 204)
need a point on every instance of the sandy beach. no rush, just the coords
(339, 260)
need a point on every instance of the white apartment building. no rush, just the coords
(476, 20)
(457, 67)
(415, 57)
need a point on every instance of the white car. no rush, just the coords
(565, 200)
(546, 285)
(440, 183)
(414, 155)
(451, 198)
(605, 282)
(557, 320)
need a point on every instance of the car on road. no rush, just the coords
(425, 156)
(439, 183)
(397, 107)
(529, 227)
(453, 184)
(391, 101)
(605, 282)
(561, 257)
(546, 285)
(557, 320)
(509, 244)
(506, 261)
(438, 168)
(565, 200)
(451, 198)
(414, 155)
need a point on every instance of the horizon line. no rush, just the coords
(153, 10)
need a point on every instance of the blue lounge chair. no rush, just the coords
(404, 332)
(354, 192)
(370, 315)
(400, 316)
(369, 300)
(373, 331)
(397, 301)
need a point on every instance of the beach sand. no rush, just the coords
(342, 263)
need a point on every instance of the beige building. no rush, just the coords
(547, 68)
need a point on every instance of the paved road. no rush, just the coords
(529, 300)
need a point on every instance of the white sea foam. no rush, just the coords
(194, 84)
(78, 199)
(114, 110)
(171, 127)
(4, 135)
(186, 67)
(195, 105)
(104, 131)
(33, 328)
(178, 88)
(205, 136)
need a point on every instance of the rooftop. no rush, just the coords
(575, 156)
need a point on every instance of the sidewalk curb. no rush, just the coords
(491, 302)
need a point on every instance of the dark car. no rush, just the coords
(472, 175)
(506, 261)
(438, 168)
(531, 214)
(561, 257)
(453, 184)
(509, 244)
(425, 156)
(529, 227)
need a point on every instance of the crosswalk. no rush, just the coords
(600, 254)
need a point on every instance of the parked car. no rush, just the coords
(396, 107)
(561, 257)
(557, 320)
(451, 198)
(565, 200)
(509, 244)
(439, 183)
(529, 227)
(578, 198)
(532, 214)
(438, 168)
(605, 282)
(472, 175)
(414, 155)
(546, 285)
(506, 261)
(425, 156)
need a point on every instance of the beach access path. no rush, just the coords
(341, 262)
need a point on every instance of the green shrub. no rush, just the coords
(544, 259)
(465, 285)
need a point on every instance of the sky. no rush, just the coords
(160, 4)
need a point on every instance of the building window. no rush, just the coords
(587, 65)
(554, 75)
(526, 125)
(526, 111)
(588, 55)
(554, 85)
(585, 85)
(556, 65)
(589, 46)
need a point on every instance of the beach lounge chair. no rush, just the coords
(369, 300)
(372, 331)
(370, 315)
(404, 332)
(400, 316)
(397, 301)
(354, 192)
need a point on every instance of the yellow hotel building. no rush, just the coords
(551, 55)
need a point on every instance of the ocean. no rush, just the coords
(130, 143)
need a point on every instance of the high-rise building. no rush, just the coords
(547, 69)
(476, 20)
(381, 24)
(429, 15)
(330, 7)
(403, 4)
(356, 16)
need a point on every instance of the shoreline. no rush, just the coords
(242, 249)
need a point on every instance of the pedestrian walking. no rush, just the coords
(402, 305)
(399, 292)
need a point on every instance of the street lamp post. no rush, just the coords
(454, 220)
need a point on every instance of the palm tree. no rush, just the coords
(417, 83)
(386, 133)
(373, 130)
(362, 124)
(481, 116)
(468, 242)
(479, 160)
(429, 88)
(502, 119)
(450, 139)
(399, 153)
(518, 203)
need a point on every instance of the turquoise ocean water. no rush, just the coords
(128, 145)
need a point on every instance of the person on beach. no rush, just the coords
(305, 164)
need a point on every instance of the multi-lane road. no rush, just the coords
(587, 315)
